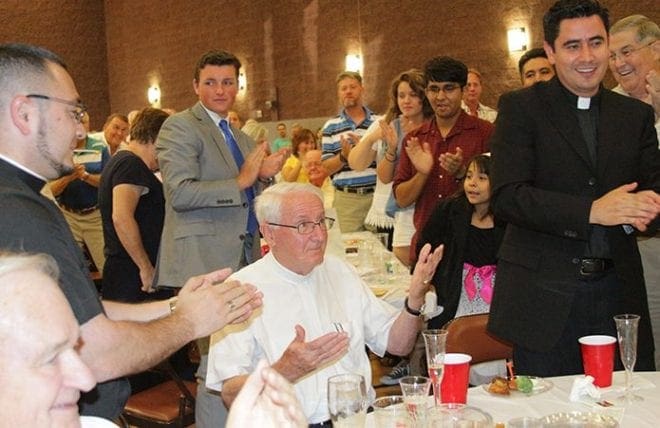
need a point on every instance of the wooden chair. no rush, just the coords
(468, 335)
(169, 404)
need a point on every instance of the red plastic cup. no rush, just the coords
(598, 358)
(455, 377)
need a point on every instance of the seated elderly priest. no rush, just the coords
(317, 314)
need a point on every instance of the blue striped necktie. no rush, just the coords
(252, 224)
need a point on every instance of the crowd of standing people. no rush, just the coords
(543, 212)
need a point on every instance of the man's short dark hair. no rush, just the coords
(570, 9)
(529, 55)
(24, 63)
(146, 125)
(445, 69)
(218, 58)
(349, 75)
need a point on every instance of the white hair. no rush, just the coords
(268, 205)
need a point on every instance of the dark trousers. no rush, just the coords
(595, 304)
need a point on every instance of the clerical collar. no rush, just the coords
(21, 167)
(582, 103)
(34, 181)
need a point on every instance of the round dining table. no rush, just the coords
(639, 414)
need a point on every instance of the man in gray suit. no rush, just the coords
(211, 174)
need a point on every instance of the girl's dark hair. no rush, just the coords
(482, 162)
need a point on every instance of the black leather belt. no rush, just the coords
(79, 211)
(323, 424)
(357, 190)
(592, 268)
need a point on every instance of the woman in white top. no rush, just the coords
(383, 142)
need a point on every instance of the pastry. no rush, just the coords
(499, 385)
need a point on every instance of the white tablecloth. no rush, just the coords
(387, 277)
(642, 414)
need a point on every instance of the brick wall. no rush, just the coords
(291, 49)
(74, 29)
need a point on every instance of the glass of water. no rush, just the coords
(347, 400)
(415, 390)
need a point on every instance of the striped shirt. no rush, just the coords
(333, 129)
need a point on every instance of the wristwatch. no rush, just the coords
(411, 311)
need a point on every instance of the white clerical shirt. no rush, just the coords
(332, 294)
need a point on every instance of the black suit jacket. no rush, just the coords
(544, 185)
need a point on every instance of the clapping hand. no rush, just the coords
(347, 142)
(389, 135)
(653, 88)
(420, 155)
(272, 164)
(251, 168)
(452, 162)
(206, 305)
(622, 206)
(266, 400)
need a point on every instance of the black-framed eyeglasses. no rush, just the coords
(307, 227)
(78, 113)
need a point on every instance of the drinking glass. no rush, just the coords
(390, 412)
(435, 340)
(347, 400)
(415, 390)
(626, 331)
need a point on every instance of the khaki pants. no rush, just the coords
(88, 229)
(352, 208)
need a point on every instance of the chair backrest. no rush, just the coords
(468, 335)
(169, 404)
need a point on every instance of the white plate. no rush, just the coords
(540, 385)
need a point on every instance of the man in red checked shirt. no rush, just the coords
(436, 154)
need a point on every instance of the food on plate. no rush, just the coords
(499, 385)
(379, 291)
(524, 384)
(502, 386)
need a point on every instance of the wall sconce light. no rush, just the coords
(242, 81)
(354, 63)
(153, 95)
(517, 39)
